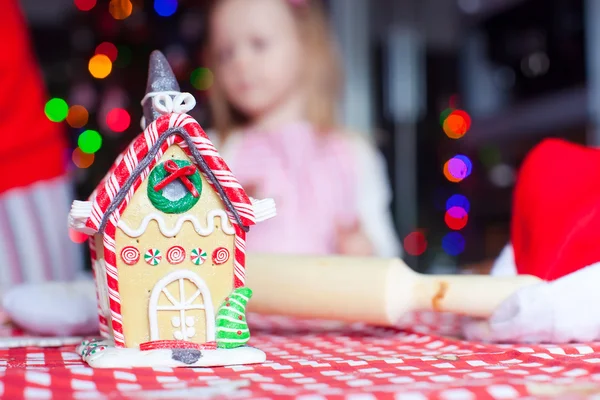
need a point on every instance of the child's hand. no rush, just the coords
(352, 241)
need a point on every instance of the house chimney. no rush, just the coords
(160, 79)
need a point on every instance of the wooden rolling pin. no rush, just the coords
(372, 290)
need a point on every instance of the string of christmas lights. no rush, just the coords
(455, 124)
(97, 109)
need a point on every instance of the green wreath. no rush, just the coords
(157, 198)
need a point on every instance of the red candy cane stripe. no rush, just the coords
(175, 255)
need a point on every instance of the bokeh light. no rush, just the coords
(447, 173)
(78, 116)
(458, 168)
(81, 159)
(490, 156)
(453, 243)
(455, 170)
(120, 9)
(453, 101)
(456, 218)
(456, 124)
(415, 243)
(77, 237)
(467, 161)
(165, 8)
(108, 49)
(118, 119)
(100, 66)
(202, 78)
(89, 141)
(444, 114)
(84, 5)
(458, 200)
(124, 56)
(56, 109)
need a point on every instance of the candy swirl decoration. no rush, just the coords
(220, 256)
(175, 255)
(232, 328)
(198, 256)
(130, 255)
(172, 172)
(153, 256)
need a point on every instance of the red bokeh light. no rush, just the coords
(415, 243)
(85, 5)
(108, 49)
(456, 218)
(77, 237)
(118, 119)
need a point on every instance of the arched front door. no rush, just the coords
(181, 302)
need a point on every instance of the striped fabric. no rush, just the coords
(34, 238)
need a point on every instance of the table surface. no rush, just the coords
(320, 359)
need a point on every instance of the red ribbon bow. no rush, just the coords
(178, 173)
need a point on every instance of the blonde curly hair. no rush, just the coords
(323, 68)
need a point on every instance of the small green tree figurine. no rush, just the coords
(232, 328)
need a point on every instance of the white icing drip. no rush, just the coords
(202, 231)
(263, 209)
(181, 304)
(78, 216)
(81, 211)
(123, 357)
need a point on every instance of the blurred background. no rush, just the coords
(521, 70)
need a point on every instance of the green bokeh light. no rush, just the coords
(56, 109)
(202, 78)
(445, 115)
(89, 141)
(490, 156)
(124, 56)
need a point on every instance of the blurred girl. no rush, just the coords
(274, 101)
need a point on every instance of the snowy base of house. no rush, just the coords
(103, 354)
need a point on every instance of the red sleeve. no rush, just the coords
(32, 148)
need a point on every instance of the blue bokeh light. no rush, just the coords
(458, 200)
(467, 162)
(165, 8)
(453, 243)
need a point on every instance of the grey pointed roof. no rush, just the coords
(160, 79)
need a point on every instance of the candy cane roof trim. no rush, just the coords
(133, 166)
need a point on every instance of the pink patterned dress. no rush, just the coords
(320, 183)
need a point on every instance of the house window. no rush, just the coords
(174, 186)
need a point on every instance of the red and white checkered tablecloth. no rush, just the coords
(318, 360)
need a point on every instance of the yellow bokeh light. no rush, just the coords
(77, 117)
(100, 66)
(120, 9)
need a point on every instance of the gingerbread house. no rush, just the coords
(167, 230)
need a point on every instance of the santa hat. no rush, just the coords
(32, 147)
(556, 210)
